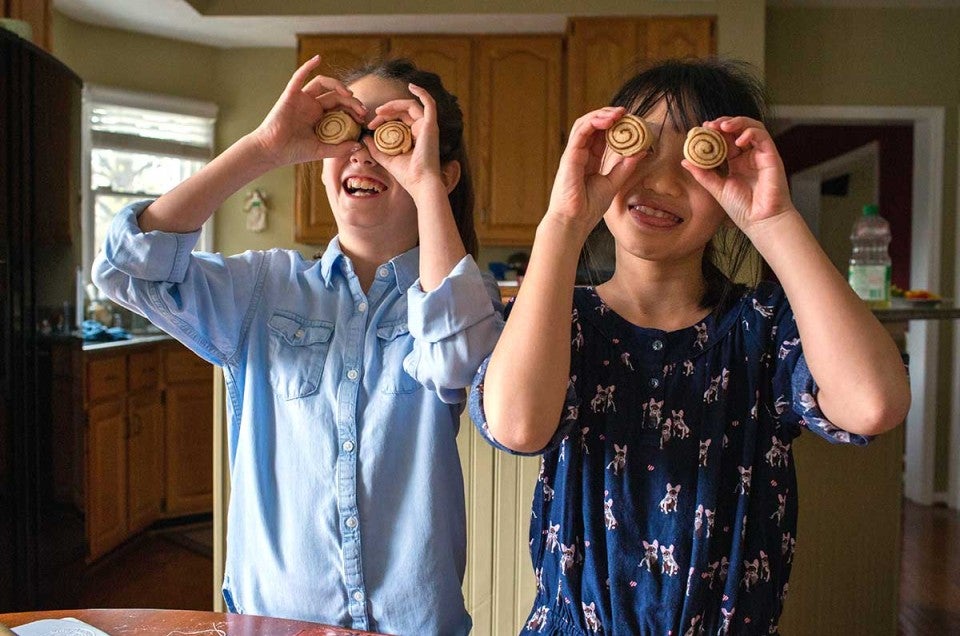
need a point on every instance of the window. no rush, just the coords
(138, 146)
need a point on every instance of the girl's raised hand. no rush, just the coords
(418, 167)
(754, 188)
(582, 191)
(287, 135)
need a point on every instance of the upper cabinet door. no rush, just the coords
(517, 134)
(313, 219)
(600, 52)
(679, 37)
(604, 52)
(450, 57)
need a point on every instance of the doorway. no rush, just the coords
(922, 261)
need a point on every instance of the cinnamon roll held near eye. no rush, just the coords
(629, 136)
(705, 147)
(393, 138)
(336, 127)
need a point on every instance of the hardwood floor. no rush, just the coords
(930, 571)
(154, 571)
(151, 571)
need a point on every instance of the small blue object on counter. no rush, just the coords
(94, 331)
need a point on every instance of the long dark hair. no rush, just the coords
(695, 91)
(450, 123)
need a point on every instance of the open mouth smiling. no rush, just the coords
(363, 186)
(654, 215)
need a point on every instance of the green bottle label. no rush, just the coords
(870, 282)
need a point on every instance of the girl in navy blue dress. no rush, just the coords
(665, 406)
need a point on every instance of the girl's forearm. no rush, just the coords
(528, 374)
(190, 204)
(862, 381)
(441, 247)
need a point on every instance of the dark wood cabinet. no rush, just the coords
(142, 450)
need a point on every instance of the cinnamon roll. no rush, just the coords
(336, 127)
(705, 147)
(393, 138)
(629, 136)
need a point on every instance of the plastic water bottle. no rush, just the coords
(869, 272)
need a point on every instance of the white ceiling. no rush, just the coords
(176, 19)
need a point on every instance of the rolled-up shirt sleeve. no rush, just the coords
(454, 328)
(193, 296)
(571, 406)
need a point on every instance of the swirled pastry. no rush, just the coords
(393, 138)
(629, 136)
(705, 147)
(336, 127)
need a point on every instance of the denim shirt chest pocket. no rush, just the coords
(298, 351)
(395, 343)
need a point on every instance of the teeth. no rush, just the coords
(363, 186)
(660, 214)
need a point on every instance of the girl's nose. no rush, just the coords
(361, 156)
(662, 174)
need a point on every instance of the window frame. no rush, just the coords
(93, 95)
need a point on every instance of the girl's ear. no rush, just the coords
(450, 173)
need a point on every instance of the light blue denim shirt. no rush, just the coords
(346, 501)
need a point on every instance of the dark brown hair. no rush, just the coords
(450, 123)
(695, 91)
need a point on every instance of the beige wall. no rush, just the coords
(880, 57)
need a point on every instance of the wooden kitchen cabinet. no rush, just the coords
(146, 445)
(188, 390)
(517, 121)
(106, 484)
(603, 52)
(513, 151)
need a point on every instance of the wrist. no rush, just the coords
(427, 192)
(777, 232)
(566, 225)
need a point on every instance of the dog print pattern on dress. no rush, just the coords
(666, 440)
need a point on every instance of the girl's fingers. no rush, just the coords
(321, 84)
(299, 77)
(621, 170)
(406, 110)
(426, 99)
(336, 101)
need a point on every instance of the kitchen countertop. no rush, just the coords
(918, 311)
(137, 339)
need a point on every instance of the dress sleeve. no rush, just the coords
(571, 406)
(794, 389)
(201, 299)
(454, 327)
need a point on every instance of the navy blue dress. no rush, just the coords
(667, 500)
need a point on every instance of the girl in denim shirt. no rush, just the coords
(345, 375)
(666, 404)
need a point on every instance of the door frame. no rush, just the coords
(953, 496)
(927, 223)
(805, 184)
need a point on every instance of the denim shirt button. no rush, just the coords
(348, 446)
(362, 307)
(351, 522)
(382, 272)
(352, 374)
(358, 596)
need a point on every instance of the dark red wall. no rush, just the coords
(804, 146)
